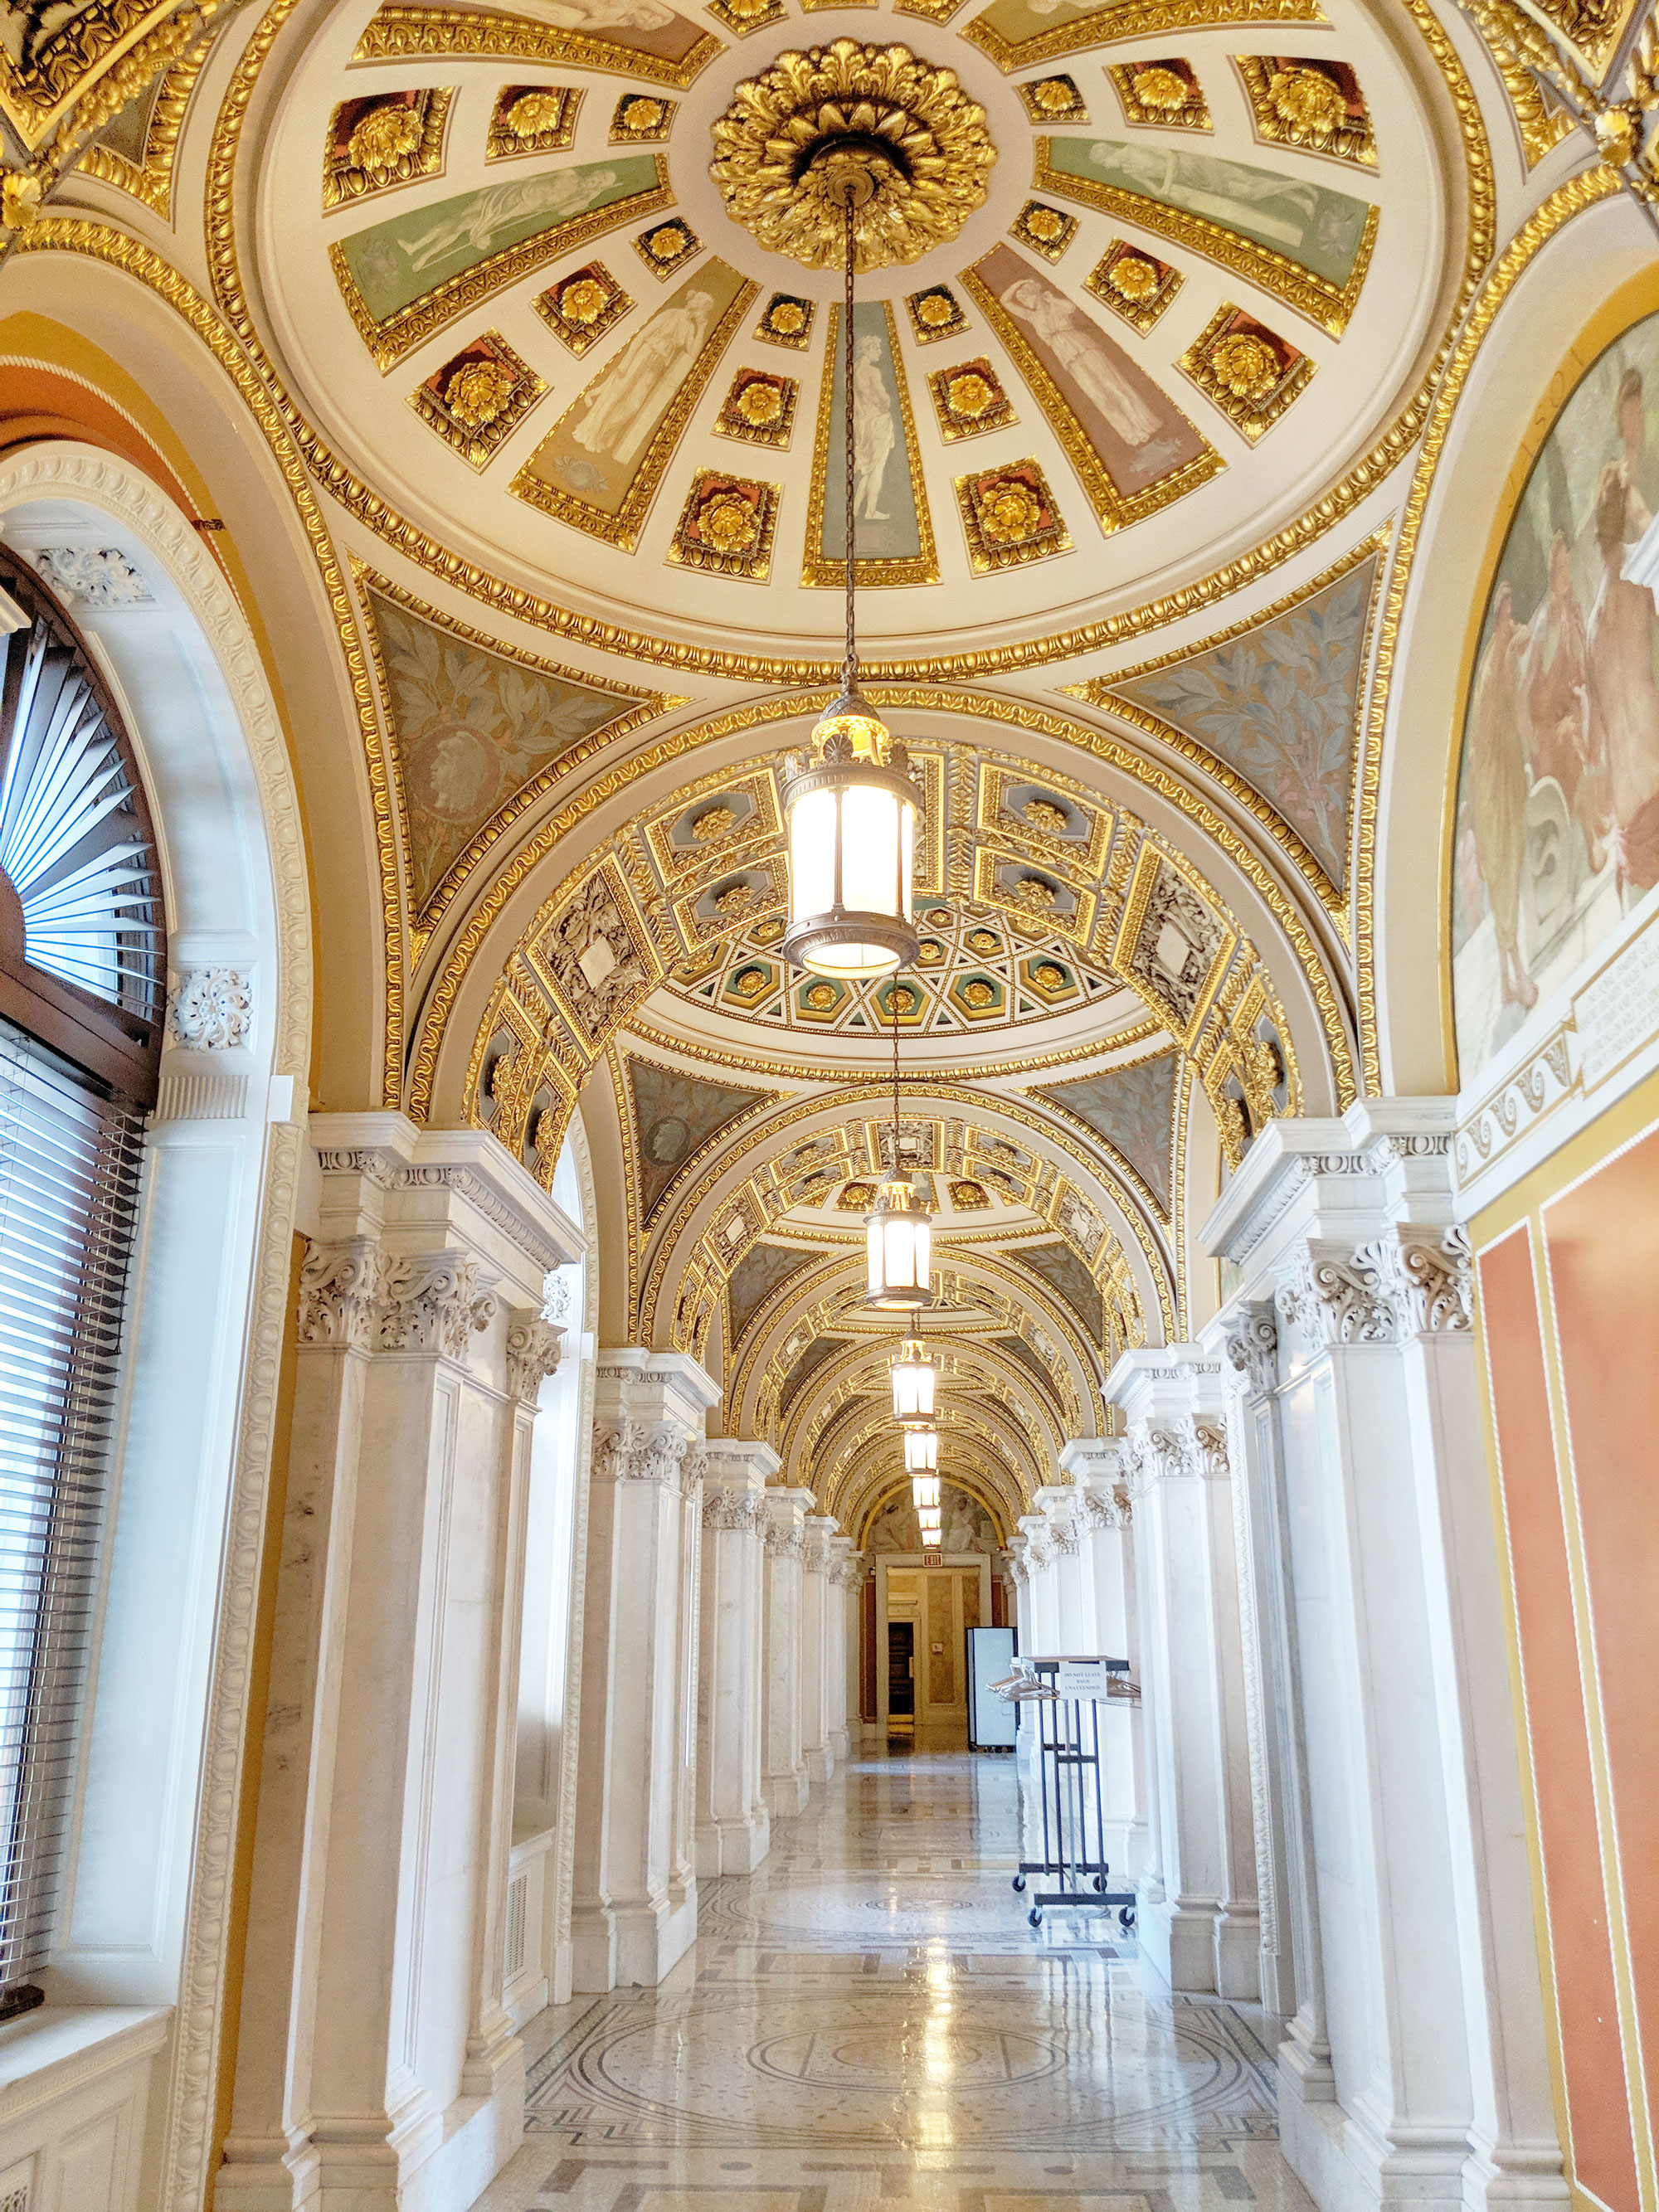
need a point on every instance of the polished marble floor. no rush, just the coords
(870, 2018)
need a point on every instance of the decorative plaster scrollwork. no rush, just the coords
(1101, 1512)
(1019, 1569)
(1434, 1280)
(433, 1303)
(1150, 1455)
(1204, 1451)
(731, 1509)
(1251, 1347)
(212, 1010)
(103, 577)
(1064, 1541)
(694, 1465)
(534, 1346)
(557, 1293)
(339, 1294)
(1336, 1296)
(784, 1543)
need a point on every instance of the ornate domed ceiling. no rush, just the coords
(1149, 279)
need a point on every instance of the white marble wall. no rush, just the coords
(1391, 1833)
(376, 2064)
(635, 1909)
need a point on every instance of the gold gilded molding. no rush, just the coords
(390, 338)
(759, 409)
(150, 180)
(1009, 517)
(392, 139)
(1103, 691)
(641, 118)
(1316, 106)
(725, 526)
(622, 529)
(1132, 1033)
(1044, 229)
(922, 567)
(532, 119)
(667, 246)
(580, 308)
(479, 398)
(1328, 306)
(402, 33)
(416, 545)
(636, 708)
(1166, 94)
(1133, 283)
(74, 55)
(969, 399)
(98, 242)
(1132, 19)
(1542, 125)
(1113, 508)
(1053, 99)
(1245, 370)
(1571, 199)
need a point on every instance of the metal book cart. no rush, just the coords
(1074, 1829)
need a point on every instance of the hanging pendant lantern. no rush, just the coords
(924, 1490)
(930, 1529)
(850, 807)
(898, 1230)
(915, 1379)
(922, 1451)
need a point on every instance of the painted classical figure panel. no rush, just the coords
(396, 262)
(1556, 835)
(891, 525)
(964, 1524)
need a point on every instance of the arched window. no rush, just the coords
(82, 970)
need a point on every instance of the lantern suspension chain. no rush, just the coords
(850, 665)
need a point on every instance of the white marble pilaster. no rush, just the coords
(1042, 1597)
(1105, 1522)
(1416, 2064)
(734, 1822)
(1058, 1504)
(814, 1681)
(634, 1912)
(838, 1584)
(783, 1768)
(1202, 1931)
(376, 2065)
(858, 1576)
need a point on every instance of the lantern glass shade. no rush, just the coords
(850, 818)
(898, 1246)
(922, 1451)
(915, 1380)
(924, 1490)
(930, 1528)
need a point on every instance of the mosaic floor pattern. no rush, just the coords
(870, 2020)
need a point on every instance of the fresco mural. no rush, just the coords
(890, 511)
(1133, 1108)
(964, 1524)
(1556, 836)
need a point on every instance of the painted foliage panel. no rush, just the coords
(1556, 835)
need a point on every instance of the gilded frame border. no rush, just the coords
(921, 567)
(406, 34)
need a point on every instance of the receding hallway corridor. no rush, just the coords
(870, 2018)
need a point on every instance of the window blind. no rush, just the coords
(70, 1160)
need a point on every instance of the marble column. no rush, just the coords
(858, 1576)
(734, 1822)
(1106, 1528)
(783, 1769)
(1416, 2065)
(837, 1585)
(376, 2065)
(1199, 1922)
(813, 1678)
(634, 1912)
(1042, 1596)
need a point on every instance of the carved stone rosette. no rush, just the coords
(212, 1010)
(534, 1346)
